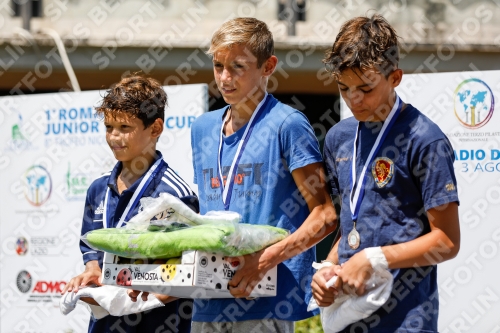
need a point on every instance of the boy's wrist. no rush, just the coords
(377, 258)
(333, 263)
(92, 265)
(274, 255)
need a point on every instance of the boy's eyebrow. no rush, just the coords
(360, 86)
(238, 60)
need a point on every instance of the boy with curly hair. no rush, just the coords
(134, 113)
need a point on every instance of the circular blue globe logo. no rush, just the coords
(473, 103)
(37, 185)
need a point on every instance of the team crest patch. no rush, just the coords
(382, 171)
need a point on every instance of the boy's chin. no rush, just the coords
(365, 117)
(360, 117)
(231, 100)
(119, 156)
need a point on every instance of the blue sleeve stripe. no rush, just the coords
(180, 181)
(90, 252)
(179, 194)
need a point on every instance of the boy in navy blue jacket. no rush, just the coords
(133, 112)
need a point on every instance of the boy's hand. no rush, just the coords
(354, 274)
(325, 296)
(133, 294)
(91, 275)
(253, 267)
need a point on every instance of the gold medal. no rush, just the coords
(353, 238)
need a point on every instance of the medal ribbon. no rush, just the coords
(146, 180)
(227, 191)
(357, 195)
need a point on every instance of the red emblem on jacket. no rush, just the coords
(382, 171)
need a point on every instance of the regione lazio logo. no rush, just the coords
(21, 246)
(382, 171)
(37, 185)
(473, 103)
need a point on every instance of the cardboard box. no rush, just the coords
(196, 275)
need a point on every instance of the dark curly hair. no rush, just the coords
(364, 43)
(135, 95)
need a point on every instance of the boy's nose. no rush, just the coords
(114, 132)
(225, 76)
(356, 97)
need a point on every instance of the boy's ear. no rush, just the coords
(157, 128)
(270, 65)
(396, 77)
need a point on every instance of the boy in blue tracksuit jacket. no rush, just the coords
(133, 112)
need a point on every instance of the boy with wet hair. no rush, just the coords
(393, 170)
(133, 112)
(260, 158)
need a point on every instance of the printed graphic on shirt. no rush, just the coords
(343, 159)
(245, 173)
(382, 171)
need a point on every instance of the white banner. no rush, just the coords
(463, 105)
(51, 148)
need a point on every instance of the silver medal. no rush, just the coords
(353, 238)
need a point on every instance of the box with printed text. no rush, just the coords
(195, 275)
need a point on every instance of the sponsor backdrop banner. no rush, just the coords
(51, 148)
(463, 105)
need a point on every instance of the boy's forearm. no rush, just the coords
(321, 222)
(440, 244)
(429, 249)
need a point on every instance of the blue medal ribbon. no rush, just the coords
(136, 197)
(227, 190)
(357, 195)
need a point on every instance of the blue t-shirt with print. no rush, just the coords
(411, 173)
(264, 192)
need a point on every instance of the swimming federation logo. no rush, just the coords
(37, 185)
(473, 103)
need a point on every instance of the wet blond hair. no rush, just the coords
(244, 31)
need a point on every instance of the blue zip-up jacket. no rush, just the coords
(174, 316)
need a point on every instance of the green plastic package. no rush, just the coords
(227, 238)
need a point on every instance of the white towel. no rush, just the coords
(112, 300)
(348, 309)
